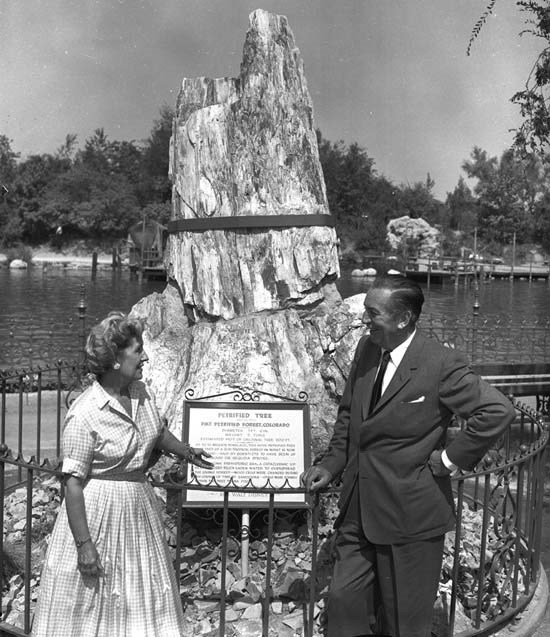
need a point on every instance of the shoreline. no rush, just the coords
(71, 257)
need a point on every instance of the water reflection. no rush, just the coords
(42, 303)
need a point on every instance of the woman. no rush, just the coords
(108, 571)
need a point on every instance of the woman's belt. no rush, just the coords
(127, 476)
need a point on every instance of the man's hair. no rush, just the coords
(405, 294)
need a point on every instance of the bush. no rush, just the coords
(19, 251)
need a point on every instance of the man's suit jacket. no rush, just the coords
(387, 451)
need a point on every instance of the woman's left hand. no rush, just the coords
(196, 457)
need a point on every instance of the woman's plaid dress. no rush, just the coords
(138, 595)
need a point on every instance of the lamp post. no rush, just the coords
(82, 318)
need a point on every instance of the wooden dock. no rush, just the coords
(434, 273)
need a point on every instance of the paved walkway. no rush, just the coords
(543, 630)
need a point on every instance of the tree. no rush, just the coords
(156, 185)
(89, 203)
(534, 133)
(360, 200)
(36, 177)
(417, 201)
(10, 221)
(506, 190)
(68, 148)
(462, 207)
(8, 160)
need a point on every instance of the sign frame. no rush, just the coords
(233, 412)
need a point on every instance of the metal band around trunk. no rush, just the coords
(248, 221)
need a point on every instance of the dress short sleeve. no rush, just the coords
(78, 447)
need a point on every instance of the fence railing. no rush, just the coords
(492, 340)
(491, 563)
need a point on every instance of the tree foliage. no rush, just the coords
(99, 191)
(361, 201)
(96, 192)
(509, 196)
(533, 135)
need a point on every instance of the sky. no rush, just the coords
(391, 75)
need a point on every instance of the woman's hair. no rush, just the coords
(107, 338)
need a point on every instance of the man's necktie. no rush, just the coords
(377, 388)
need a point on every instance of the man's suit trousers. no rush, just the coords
(381, 589)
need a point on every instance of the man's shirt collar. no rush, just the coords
(397, 354)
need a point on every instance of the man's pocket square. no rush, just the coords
(420, 399)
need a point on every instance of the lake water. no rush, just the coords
(39, 318)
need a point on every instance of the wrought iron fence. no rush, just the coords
(491, 564)
(485, 340)
(33, 404)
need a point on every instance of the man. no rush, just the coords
(390, 437)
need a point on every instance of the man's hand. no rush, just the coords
(315, 478)
(437, 465)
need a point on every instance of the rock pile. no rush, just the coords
(290, 563)
(417, 233)
(200, 567)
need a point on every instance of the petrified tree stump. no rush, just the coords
(247, 147)
(252, 255)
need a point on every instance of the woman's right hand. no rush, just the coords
(88, 560)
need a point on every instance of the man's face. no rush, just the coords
(382, 321)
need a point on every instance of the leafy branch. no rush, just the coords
(534, 100)
(479, 25)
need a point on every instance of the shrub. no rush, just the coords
(19, 251)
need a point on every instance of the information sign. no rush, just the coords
(251, 443)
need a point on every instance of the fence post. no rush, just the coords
(94, 265)
(82, 317)
(475, 314)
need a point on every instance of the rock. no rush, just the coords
(367, 272)
(206, 606)
(283, 537)
(276, 554)
(252, 612)
(235, 569)
(204, 627)
(229, 581)
(243, 605)
(418, 232)
(290, 583)
(295, 620)
(250, 308)
(18, 264)
(231, 615)
(254, 591)
(248, 628)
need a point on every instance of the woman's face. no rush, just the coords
(131, 360)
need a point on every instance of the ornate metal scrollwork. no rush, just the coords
(242, 394)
